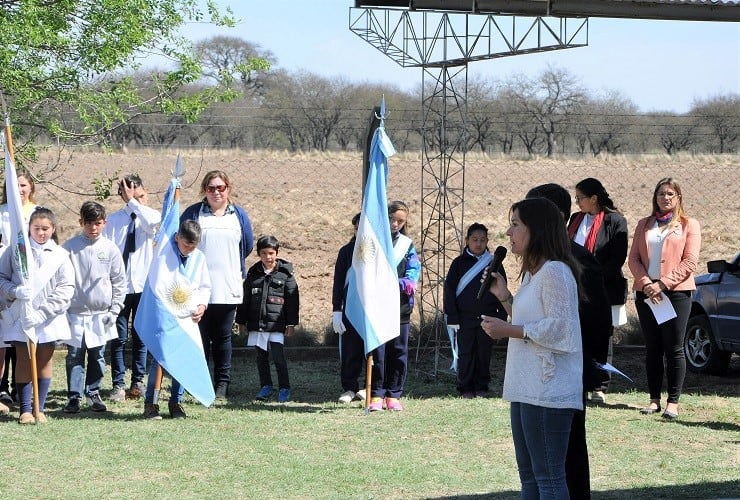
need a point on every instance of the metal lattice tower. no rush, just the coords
(443, 44)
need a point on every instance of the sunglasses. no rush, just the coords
(213, 189)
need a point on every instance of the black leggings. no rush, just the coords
(665, 341)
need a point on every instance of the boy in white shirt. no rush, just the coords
(132, 229)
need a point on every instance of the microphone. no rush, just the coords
(498, 257)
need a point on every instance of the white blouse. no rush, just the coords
(547, 368)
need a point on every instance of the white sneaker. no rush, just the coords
(361, 394)
(347, 397)
(598, 397)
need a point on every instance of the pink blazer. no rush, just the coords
(679, 258)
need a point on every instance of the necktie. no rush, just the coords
(130, 244)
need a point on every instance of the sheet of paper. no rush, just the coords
(613, 369)
(663, 310)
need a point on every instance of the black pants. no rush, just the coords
(577, 473)
(278, 359)
(665, 342)
(474, 359)
(352, 359)
(216, 332)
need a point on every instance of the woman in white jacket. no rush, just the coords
(36, 308)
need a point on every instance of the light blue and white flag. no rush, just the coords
(19, 244)
(163, 317)
(373, 300)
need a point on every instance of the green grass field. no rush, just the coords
(441, 446)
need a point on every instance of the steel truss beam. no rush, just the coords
(432, 39)
(443, 44)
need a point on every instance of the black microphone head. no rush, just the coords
(500, 252)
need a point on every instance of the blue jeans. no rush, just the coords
(81, 382)
(117, 346)
(176, 390)
(540, 443)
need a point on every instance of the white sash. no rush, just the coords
(483, 261)
(402, 245)
(52, 262)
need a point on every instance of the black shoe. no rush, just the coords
(95, 402)
(222, 389)
(669, 415)
(72, 406)
(176, 410)
(6, 398)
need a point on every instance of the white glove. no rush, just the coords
(23, 292)
(110, 319)
(337, 323)
(33, 319)
(453, 328)
(186, 312)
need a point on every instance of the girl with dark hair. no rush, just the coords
(602, 230)
(48, 306)
(463, 310)
(544, 357)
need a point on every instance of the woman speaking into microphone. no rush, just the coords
(544, 357)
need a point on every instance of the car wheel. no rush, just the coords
(702, 353)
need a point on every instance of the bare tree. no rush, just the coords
(676, 132)
(604, 124)
(549, 101)
(228, 58)
(721, 115)
(481, 113)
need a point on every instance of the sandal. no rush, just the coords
(650, 409)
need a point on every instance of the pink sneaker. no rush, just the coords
(393, 404)
(376, 404)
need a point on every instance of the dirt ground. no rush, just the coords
(307, 200)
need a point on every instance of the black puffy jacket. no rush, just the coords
(271, 301)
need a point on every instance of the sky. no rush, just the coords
(659, 65)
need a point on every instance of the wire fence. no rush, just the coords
(308, 200)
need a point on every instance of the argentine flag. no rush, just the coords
(163, 316)
(18, 244)
(373, 303)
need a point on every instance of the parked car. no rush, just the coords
(713, 330)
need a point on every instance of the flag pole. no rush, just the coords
(160, 373)
(157, 384)
(30, 343)
(368, 382)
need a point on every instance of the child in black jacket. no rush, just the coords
(269, 313)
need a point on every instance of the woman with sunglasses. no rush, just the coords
(601, 229)
(662, 259)
(226, 240)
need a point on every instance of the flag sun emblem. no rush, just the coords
(366, 250)
(178, 296)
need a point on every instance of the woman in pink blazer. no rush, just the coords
(662, 259)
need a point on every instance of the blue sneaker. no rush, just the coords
(264, 393)
(284, 395)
